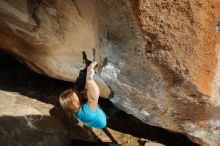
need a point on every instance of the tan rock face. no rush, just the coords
(185, 34)
(50, 36)
(162, 56)
(25, 121)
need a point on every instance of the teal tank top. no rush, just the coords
(91, 118)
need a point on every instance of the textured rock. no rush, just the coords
(153, 144)
(25, 121)
(162, 56)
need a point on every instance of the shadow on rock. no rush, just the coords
(31, 130)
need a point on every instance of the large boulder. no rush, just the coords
(160, 58)
(26, 121)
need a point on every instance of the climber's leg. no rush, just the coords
(81, 79)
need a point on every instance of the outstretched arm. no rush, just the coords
(92, 87)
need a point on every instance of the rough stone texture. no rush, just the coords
(162, 56)
(25, 121)
(183, 39)
(153, 144)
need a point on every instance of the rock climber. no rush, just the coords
(89, 113)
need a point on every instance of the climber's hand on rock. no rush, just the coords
(90, 70)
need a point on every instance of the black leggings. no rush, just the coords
(81, 80)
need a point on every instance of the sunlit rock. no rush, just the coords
(160, 58)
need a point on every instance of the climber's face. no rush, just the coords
(75, 105)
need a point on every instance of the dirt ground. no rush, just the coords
(122, 128)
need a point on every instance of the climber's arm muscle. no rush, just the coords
(92, 87)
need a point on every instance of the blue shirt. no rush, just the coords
(91, 118)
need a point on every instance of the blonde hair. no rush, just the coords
(66, 99)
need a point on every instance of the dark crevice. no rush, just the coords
(136, 10)
(77, 8)
(217, 27)
(33, 6)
